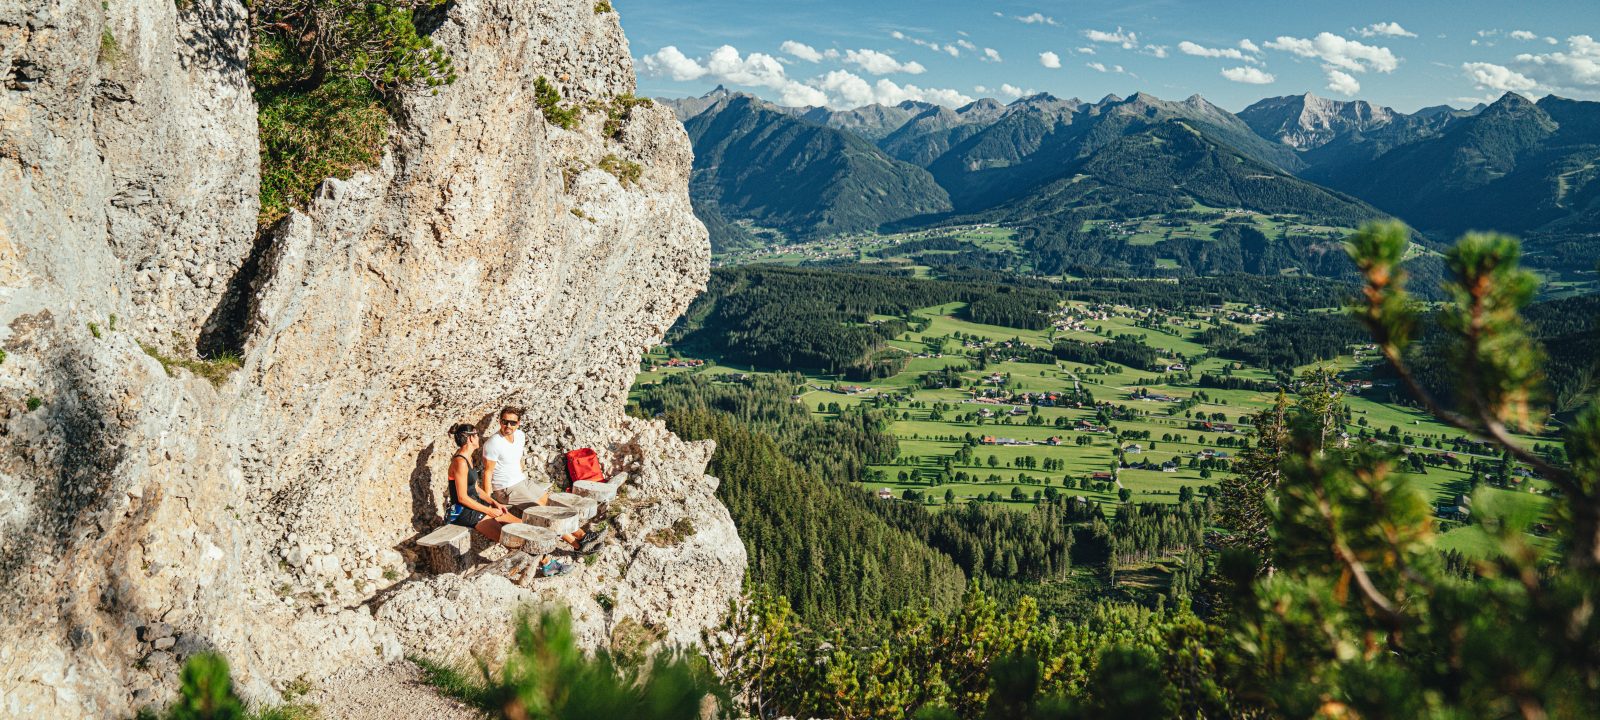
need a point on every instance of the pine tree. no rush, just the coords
(1244, 498)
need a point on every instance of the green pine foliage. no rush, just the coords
(323, 72)
(555, 111)
(983, 660)
(1363, 617)
(548, 677)
(205, 692)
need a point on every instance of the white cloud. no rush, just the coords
(1102, 67)
(879, 63)
(1522, 35)
(801, 50)
(951, 50)
(1498, 77)
(967, 44)
(757, 69)
(725, 64)
(1551, 41)
(1005, 92)
(1575, 71)
(1342, 82)
(1189, 48)
(1249, 75)
(1127, 40)
(1385, 29)
(1339, 52)
(1249, 47)
(1050, 60)
(1086, 50)
(990, 55)
(671, 62)
(847, 90)
(1159, 51)
(1035, 19)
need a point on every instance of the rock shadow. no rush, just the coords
(427, 509)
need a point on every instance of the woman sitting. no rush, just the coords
(467, 508)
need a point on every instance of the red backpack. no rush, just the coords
(584, 464)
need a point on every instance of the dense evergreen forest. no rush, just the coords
(1127, 350)
(833, 321)
(1282, 294)
(810, 535)
(1024, 309)
(1567, 330)
(1287, 342)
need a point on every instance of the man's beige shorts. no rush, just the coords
(522, 494)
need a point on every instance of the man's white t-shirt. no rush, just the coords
(507, 457)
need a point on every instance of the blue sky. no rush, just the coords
(850, 52)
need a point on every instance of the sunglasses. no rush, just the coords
(509, 423)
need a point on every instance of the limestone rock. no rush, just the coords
(451, 279)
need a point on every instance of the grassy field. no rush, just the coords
(927, 445)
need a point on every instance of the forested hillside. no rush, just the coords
(785, 479)
(1518, 166)
(804, 179)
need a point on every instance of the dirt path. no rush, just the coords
(393, 692)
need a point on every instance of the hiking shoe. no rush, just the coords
(555, 568)
(592, 541)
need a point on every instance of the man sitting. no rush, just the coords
(505, 481)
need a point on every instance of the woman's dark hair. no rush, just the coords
(461, 431)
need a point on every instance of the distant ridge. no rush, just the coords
(1514, 165)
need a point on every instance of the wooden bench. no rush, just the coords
(445, 550)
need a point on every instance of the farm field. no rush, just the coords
(996, 437)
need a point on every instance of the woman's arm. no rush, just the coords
(485, 487)
(462, 496)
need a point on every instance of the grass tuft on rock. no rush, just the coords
(216, 369)
(681, 529)
(626, 171)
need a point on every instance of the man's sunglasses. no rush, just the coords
(509, 423)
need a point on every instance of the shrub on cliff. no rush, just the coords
(322, 71)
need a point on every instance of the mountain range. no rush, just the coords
(1514, 165)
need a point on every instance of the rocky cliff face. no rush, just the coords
(1307, 122)
(487, 261)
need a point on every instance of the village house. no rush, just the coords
(885, 494)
